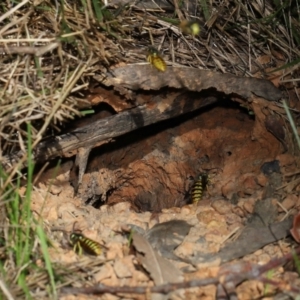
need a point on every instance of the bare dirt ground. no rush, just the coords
(146, 183)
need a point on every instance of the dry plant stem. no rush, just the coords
(10, 12)
(248, 273)
(5, 291)
(28, 40)
(12, 24)
(37, 51)
(178, 11)
(41, 171)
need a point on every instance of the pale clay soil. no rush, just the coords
(159, 166)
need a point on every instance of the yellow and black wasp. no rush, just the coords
(154, 58)
(199, 187)
(190, 27)
(80, 242)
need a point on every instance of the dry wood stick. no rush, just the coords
(91, 135)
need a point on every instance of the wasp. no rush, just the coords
(80, 242)
(198, 187)
(156, 60)
(190, 27)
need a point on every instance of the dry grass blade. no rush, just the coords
(37, 60)
(5, 291)
(11, 11)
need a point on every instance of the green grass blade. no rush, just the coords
(44, 246)
(205, 8)
(98, 10)
(297, 262)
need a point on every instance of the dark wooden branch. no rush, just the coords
(92, 135)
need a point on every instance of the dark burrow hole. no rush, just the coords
(209, 138)
(108, 155)
(148, 131)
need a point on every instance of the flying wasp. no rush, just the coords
(198, 187)
(190, 27)
(154, 58)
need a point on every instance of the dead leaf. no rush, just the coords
(160, 269)
(166, 236)
(295, 231)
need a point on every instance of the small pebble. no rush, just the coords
(222, 207)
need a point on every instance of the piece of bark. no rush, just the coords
(145, 77)
(81, 163)
(275, 126)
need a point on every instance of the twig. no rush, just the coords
(5, 291)
(164, 288)
(37, 51)
(10, 12)
(233, 274)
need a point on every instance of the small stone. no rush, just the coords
(232, 219)
(208, 216)
(186, 210)
(228, 189)
(239, 211)
(214, 238)
(105, 272)
(186, 249)
(262, 180)
(121, 207)
(285, 159)
(264, 258)
(289, 276)
(140, 276)
(249, 205)
(122, 268)
(217, 228)
(213, 224)
(250, 185)
(258, 252)
(55, 190)
(222, 207)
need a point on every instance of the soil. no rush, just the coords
(143, 179)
